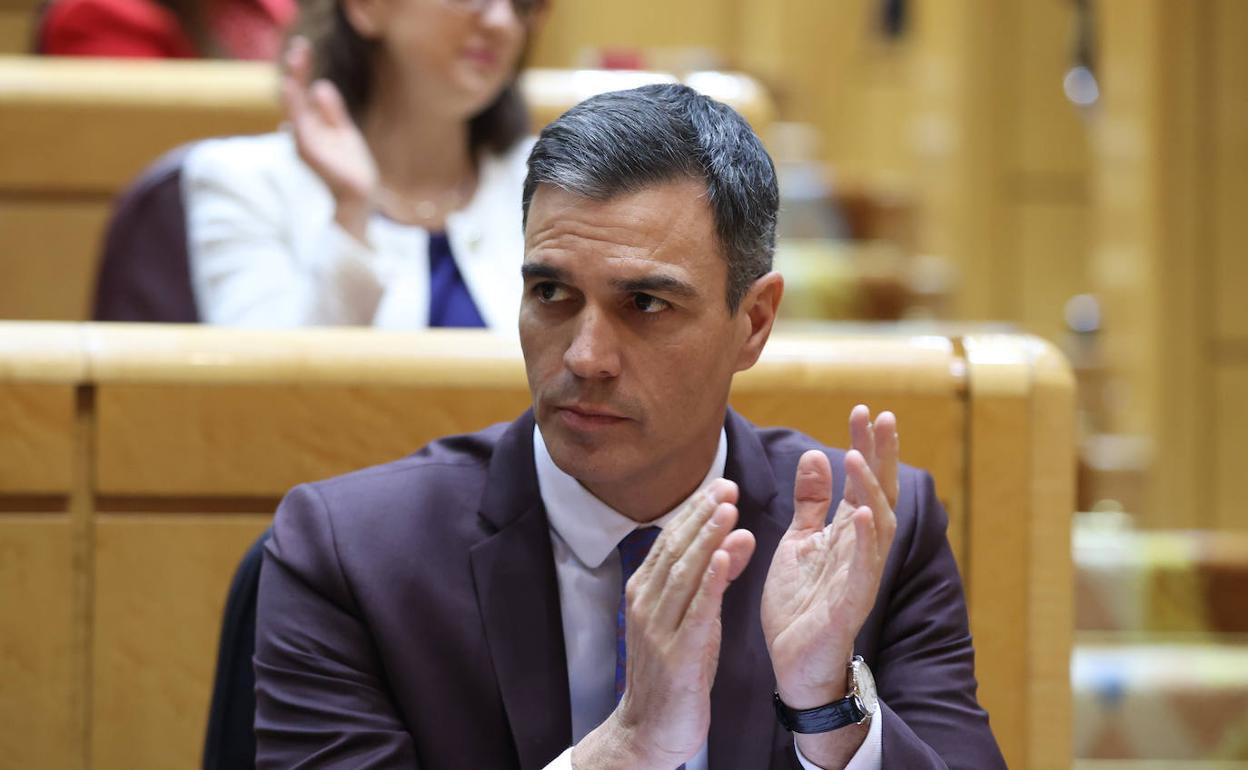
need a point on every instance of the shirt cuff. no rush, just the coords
(561, 762)
(868, 757)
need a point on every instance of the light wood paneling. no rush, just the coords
(40, 694)
(998, 152)
(49, 273)
(160, 588)
(88, 126)
(39, 367)
(1053, 263)
(1229, 105)
(1053, 136)
(574, 28)
(36, 438)
(1022, 406)
(1172, 161)
(999, 546)
(15, 31)
(262, 440)
(1051, 578)
(1231, 397)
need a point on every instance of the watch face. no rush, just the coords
(864, 686)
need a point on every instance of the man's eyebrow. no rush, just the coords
(663, 284)
(548, 272)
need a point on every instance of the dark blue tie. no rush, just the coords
(633, 549)
(450, 304)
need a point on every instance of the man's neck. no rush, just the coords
(645, 499)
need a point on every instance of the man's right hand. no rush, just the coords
(672, 637)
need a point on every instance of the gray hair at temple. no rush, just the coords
(624, 141)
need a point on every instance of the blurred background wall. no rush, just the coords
(1036, 182)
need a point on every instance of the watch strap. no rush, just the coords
(821, 719)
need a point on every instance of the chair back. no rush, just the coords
(144, 272)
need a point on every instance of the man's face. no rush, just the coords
(628, 341)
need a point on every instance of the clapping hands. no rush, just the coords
(328, 140)
(824, 576)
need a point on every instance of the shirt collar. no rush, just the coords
(590, 527)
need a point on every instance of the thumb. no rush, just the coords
(812, 491)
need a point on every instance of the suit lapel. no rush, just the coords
(741, 710)
(518, 594)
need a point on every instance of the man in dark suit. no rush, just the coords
(500, 600)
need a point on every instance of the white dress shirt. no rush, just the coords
(265, 251)
(585, 532)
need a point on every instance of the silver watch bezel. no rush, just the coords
(862, 688)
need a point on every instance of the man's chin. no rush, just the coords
(587, 461)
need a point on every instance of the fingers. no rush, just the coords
(685, 576)
(883, 520)
(861, 438)
(680, 531)
(812, 491)
(740, 547)
(295, 79)
(329, 104)
(726, 565)
(866, 558)
(887, 456)
(879, 444)
(304, 98)
(709, 599)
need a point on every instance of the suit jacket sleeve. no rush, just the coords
(925, 663)
(321, 696)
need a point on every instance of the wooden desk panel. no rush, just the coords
(40, 365)
(258, 440)
(42, 690)
(160, 588)
(40, 283)
(88, 126)
(1018, 575)
(1231, 407)
(36, 439)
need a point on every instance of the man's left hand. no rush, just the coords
(824, 577)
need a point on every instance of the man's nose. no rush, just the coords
(594, 352)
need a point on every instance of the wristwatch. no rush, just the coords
(854, 709)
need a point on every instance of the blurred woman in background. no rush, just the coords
(393, 197)
(164, 29)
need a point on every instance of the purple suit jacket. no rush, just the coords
(409, 617)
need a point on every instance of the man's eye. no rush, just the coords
(647, 303)
(549, 291)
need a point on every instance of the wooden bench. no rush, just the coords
(77, 131)
(138, 462)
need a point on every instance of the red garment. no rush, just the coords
(242, 29)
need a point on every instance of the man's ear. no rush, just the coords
(757, 314)
(367, 17)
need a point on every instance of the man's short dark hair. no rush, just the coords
(624, 141)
